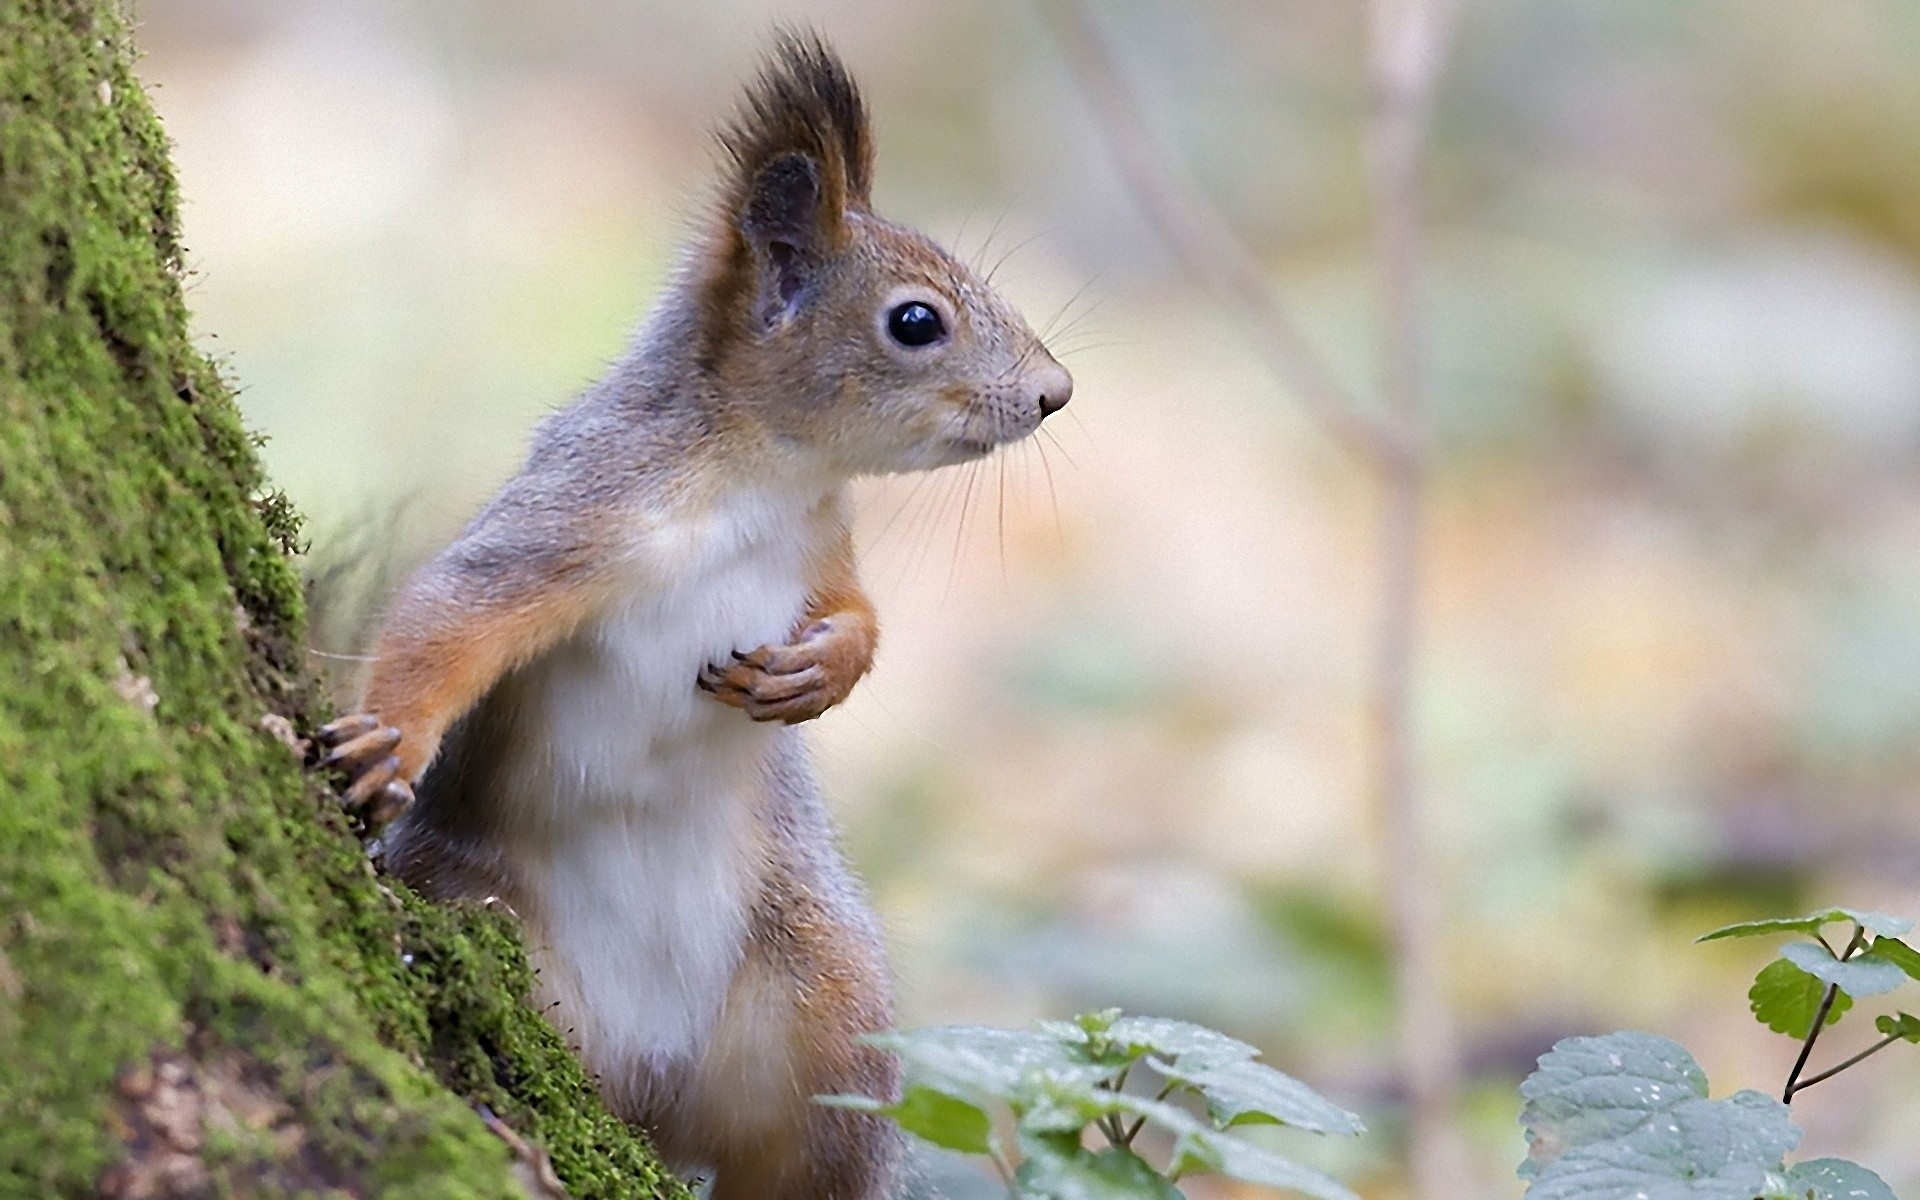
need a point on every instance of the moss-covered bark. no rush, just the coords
(203, 988)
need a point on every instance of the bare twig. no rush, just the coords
(1206, 245)
(1406, 46)
(1820, 1022)
(1830, 1072)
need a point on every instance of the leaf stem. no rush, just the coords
(1819, 1022)
(1110, 1123)
(1001, 1165)
(1138, 1122)
(1830, 1072)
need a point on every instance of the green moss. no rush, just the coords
(169, 878)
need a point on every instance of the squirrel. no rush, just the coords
(585, 705)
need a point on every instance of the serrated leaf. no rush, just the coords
(944, 1120)
(1863, 975)
(1589, 1089)
(1699, 1150)
(1244, 1092)
(1784, 999)
(1055, 1112)
(1181, 1040)
(1899, 954)
(1835, 1179)
(978, 1064)
(1049, 1103)
(1199, 1147)
(1208, 1151)
(1112, 1174)
(1873, 922)
(1906, 1026)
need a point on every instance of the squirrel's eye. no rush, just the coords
(915, 324)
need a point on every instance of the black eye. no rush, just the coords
(915, 324)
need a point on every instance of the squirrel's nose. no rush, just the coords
(1056, 388)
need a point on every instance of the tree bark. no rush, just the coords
(204, 990)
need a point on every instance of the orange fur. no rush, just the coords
(433, 662)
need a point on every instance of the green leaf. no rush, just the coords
(1589, 1089)
(1862, 975)
(1241, 1093)
(1702, 1150)
(1060, 1104)
(1113, 1174)
(1873, 922)
(1625, 1117)
(1082, 1029)
(1189, 1043)
(1784, 999)
(1205, 1150)
(1899, 954)
(1877, 923)
(1834, 1179)
(944, 1120)
(1906, 1026)
(1056, 1110)
(979, 1064)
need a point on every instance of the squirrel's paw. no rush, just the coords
(361, 749)
(796, 682)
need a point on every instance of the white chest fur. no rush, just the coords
(632, 790)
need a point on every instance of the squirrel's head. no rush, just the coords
(851, 335)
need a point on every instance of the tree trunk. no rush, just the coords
(204, 990)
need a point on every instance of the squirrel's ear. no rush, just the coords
(784, 219)
(802, 159)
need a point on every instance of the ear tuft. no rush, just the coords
(804, 103)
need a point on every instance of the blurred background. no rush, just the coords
(1115, 749)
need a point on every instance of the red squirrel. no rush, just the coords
(584, 706)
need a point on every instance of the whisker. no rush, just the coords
(1053, 497)
(1079, 322)
(1002, 261)
(1081, 426)
(1071, 300)
(1000, 517)
(1106, 345)
(980, 255)
(922, 534)
(1048, 433)
(913, 492)
(961, 233)
(960, 530)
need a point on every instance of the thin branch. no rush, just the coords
(1830, 1072)
(1133, 1131)
(1000, 1164)
(1806, 1047)
(1406, 42)
(1820, 1021)
(1204, 242)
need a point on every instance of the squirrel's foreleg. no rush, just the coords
(829, 651)
(451, 635)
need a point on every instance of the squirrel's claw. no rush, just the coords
(366, 748)
(791, 696)
(361, 747)
(387, 804)
(347, 728)
(371, 780)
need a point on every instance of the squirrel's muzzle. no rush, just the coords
(1055, 386)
